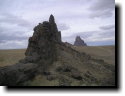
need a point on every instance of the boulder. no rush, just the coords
(51, 77)
(16, 74)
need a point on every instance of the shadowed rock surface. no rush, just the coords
(49, 57)
(17, 74)
(68, 44)
(42, 45)
(40, 54)
(79, 42)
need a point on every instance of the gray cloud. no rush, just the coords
(63, 26)
(12, 40)
(93, 36)
(18, 17)
(107, 27)
(11, 37)
(103, 5)
(108, 33)
(102, 8)
(13, 31)
(83, 35)
(15, 44)
(101, 14)
(12, 19)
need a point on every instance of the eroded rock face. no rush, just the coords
(17, 74)
(40, 54)
(42, 44)
(79, 42)
(67, 44)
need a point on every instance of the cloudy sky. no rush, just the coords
(93, 20)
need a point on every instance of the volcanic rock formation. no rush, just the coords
(79, 42)
(41, 48)
(40, 54)
(68, 44)
(48, 56)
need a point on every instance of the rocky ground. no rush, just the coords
(73, 69)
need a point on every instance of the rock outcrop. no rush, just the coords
(42, 45)
(79, 42)
(68, 44)
(40, 54)
(16, 74)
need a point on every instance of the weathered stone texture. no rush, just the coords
(40, 54)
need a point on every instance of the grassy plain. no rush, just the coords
(107, 53)
(9, 57)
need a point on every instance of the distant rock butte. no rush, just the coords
(79, 42)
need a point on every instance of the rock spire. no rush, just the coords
(41, 47)
(79, 42)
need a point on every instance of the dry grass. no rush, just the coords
(107, 53)
(9, 57)
(41, 80)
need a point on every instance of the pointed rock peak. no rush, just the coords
(51, 19)
(78, 38)
(79, 42)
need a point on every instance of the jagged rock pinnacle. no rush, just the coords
(78, 38)
(79, 42)
(40, 54)
(51, 19)
(43, 41)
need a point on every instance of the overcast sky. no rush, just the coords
(93, 20)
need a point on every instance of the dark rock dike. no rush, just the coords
(42, 45)
(41, 52)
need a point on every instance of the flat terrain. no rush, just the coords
(9, 57)
(107, 53)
